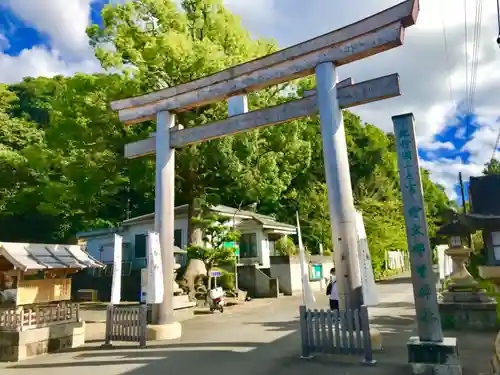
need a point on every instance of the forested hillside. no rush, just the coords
(61, 149)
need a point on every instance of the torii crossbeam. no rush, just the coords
(320, 56)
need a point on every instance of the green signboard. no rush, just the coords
(315, 272)
(233, 245)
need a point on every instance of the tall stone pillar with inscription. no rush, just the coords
(429, 353)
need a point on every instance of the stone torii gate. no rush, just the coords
(321, 56)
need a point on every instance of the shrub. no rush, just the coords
(285, 246)
(227, 281)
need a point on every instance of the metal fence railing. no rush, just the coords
(126, 323)
(336, 332)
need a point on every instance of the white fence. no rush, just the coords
(395, 260)
(336, 332)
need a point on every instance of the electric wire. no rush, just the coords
(466, 40)
(446, 53)
(475, 54)
(497, 143)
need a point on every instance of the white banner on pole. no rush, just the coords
(368, 285)
(307, 294)
(154, 288)
(116, 283)
(444, 261)
(144, 285)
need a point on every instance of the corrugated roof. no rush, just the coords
(34, 256)
(266, 221)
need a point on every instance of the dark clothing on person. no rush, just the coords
(334, 304)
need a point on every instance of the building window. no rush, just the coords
(140, 245)
(178, 238)
(272, 248)
(248, 245)
(495, 241)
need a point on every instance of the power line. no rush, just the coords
(446, 53)
(475, 53)
(466, 54)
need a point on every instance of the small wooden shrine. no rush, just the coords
(35, 295)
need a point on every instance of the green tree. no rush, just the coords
(285, 246)
(215, 233)
(165, 46)
(492, 167)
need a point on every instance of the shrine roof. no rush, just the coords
(36, 256)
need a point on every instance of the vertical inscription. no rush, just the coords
(424, 288)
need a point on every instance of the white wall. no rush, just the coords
(290, 277)
(106, 242)
(129, 233)
(181, 222)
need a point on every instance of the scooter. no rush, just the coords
(216, 299)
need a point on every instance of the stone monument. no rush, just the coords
(429, 352)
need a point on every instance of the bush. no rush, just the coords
(227, 281)
(285, 246)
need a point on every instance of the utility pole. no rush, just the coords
(462, 191)
(498, 20)
(464, 207)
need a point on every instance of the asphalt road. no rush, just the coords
(260, 337)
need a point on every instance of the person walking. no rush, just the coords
(332, 291)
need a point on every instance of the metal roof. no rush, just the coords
(36, 256)
(267, 222)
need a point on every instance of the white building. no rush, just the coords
(258, 236)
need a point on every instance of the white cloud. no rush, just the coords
(421, 63)
(63, 21)
(431, 146)
(38, 61)
(445, 172)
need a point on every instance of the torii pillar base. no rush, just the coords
(164, 332)
(434, 358)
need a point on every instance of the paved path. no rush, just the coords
(261, 339)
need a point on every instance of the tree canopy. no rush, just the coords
(62, 168)
(492, 167)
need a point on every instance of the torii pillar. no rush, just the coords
(338, 182)
(164, 326)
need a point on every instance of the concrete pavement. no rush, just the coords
(261, 339)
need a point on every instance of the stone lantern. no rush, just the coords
(463, 305)
(491, 271)
(460, 279)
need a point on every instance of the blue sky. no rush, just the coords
(49, 38)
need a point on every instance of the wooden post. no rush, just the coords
(165, 169)
(338, 182)
(424, 286)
